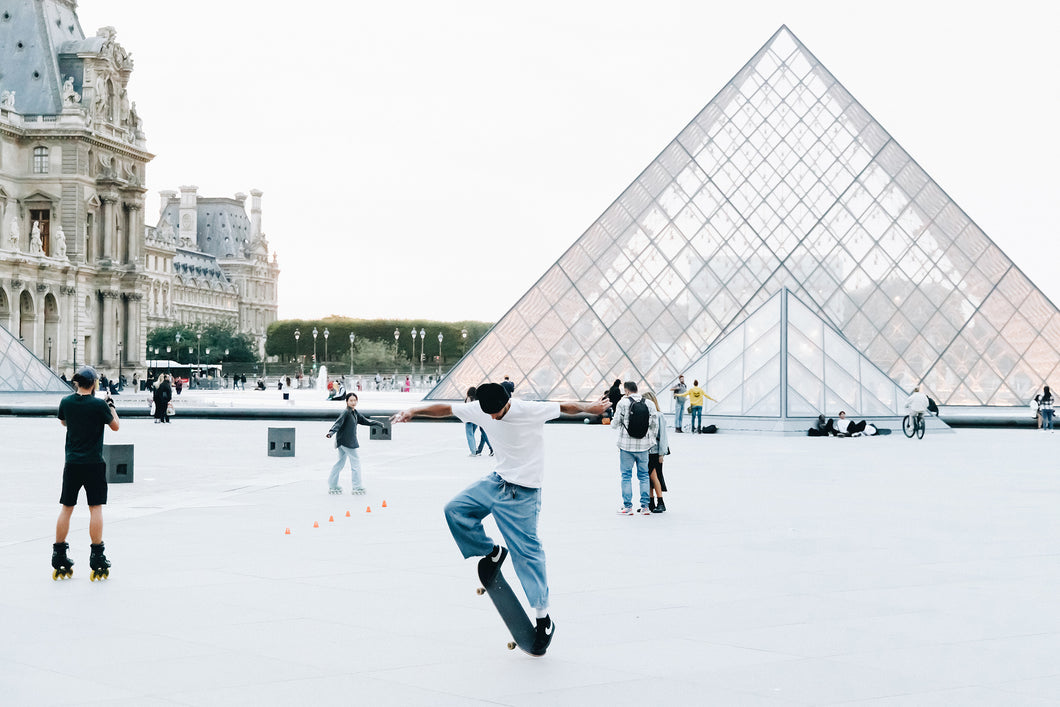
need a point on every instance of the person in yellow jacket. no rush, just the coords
(695, 397)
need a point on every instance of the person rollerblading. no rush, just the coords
(63, 566)
(85, 417)
(99, 563)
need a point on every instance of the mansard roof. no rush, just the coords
(223, 228)
(203, 266)
(31, 34)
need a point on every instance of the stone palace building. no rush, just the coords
(82, 277)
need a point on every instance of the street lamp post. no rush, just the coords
(169, 370)
(264, 353)
(297, 335)
(352, 337)
(314, 348)
(439, 354)
(413, 349)
(423, 340)
(75, 354)
(49, 352)
(119, 361)
(463, 335)
(326, 335)
(198, 355)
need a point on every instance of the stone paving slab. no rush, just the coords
(788, 571)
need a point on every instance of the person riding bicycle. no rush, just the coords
(917, 403)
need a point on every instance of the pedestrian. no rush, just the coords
(136, 382)
(512, 493)
(695, 396)
(1045, 408)
(345, 431)
(470, 427)
(161, 397)
(508, 385)
(242, 381)
(679, 407)
(655, 460)
(378, 381)
(638, 428)
(287, 390)
(84, 416)
(613, 395)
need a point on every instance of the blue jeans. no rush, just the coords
(625, 465)
(697, 417)
(515, 509)
(355, 468)
(469, 430)
(1047, 419)
(679, 413)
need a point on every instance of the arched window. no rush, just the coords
(40, 160)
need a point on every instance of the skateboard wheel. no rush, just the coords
(480, 591)
(511, 645)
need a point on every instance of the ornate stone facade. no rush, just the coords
(72, 164)
(80, 272)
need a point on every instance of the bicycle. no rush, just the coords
(914, 425)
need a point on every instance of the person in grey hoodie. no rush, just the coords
(345, 429)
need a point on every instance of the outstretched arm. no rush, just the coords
(596, 408)
(434, 410)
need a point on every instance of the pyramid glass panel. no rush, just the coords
(782, 182)
(22, 372)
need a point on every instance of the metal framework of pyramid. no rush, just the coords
(782, 181)
(22, 372)
(785, 361)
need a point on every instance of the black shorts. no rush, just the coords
(92, 476)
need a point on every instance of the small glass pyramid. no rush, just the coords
(782, 181)
(785, 361)
(22, 372)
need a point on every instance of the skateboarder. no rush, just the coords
(512, 493)
(84, 416)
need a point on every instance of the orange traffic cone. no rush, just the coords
(384, 503)
(368, 509)
(287, 532)
(347, 514)
(331, 519)
(315, 524)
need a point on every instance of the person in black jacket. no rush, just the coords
(162, 395)
(345, 431)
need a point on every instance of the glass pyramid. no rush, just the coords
(22, 372)
(782, 181)
(785, 361)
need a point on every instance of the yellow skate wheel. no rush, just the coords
(55, 574)
(511, 645)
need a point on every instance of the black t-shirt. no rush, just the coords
(85, 417)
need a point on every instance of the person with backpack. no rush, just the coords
(638, 430)
(1045, 408)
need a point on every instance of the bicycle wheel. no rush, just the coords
(908, 426)
(920, 427)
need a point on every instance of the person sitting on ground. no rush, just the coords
(821, 428)
(848, 428)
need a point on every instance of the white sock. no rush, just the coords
(541, 613)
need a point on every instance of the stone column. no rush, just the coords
(109, 312)
(67, 326)
(135, 231)
(134, 341)
(108, 203)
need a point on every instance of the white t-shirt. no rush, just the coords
(518, 438)
(917, 402)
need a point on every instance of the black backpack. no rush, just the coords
(638, 420)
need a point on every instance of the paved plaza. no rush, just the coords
(787, 571)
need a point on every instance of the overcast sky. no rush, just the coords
(429, 159)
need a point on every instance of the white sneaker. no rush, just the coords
(625, 511)
(643, 511)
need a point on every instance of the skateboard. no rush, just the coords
(511, 611)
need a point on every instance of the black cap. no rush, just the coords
(86, 376)
(492, 397)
